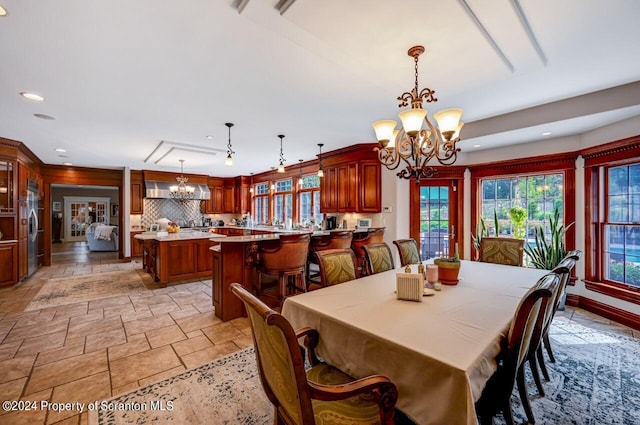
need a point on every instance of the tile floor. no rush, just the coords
(94, 350)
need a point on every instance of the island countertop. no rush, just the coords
(145, 236)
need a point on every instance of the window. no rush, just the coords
(538, 194)
(261, 202)
(622, 227)
(309, 200)
(283, 201)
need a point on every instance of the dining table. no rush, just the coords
(439, 352)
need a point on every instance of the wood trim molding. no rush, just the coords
(623, 292)
(536, 164)
(612, 313)
(610, 153)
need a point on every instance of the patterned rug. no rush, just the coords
(595, 381)
(60, 291)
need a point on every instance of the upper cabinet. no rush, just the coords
(7, 186)
(351, 181)
(137, 192)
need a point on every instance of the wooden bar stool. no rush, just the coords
(374, 235)
(286, 259)
(336, 239)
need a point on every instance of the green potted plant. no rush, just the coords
(547, 253)
(448, 268)
(518, 216)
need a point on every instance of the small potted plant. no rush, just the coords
(448, 268)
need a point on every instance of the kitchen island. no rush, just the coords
(178, 256)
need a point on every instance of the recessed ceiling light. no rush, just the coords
(546, 133)
(476, 146)
(60, 150)
(31, 96)
(209, 137)
(44, 116)
(3, 11)
(67, 163)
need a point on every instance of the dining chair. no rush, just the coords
(284, 258)
(378, 258)
(525, 327)
(408, 251)
(336, 266)
(323, 394)
(336, 239)
(506, 251)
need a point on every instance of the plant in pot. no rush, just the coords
(448, 268)
(547, 253)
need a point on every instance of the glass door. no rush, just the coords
(80, 212)
(434, 217)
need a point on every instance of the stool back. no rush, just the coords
(289, 253)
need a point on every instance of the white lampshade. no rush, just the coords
(173, 188)
(190, 189)
(448, 119)
(412, 120)
(320, 173)
(392, 142)
(456, 134)
(281, 168)
(229, 161)
(384, 130)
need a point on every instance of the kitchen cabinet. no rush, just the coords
(351, 182)
(7, 186)
(136, 245)
(9, 261)
(169, 260)
(137, 192)
(229, 199)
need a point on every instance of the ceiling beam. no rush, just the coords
(283, 5)
(527, 29)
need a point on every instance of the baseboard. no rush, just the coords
(612, 313)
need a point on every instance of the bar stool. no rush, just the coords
(336, 239)
(286, 258)
(373, 235)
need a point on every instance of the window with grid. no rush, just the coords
(621, 244)
(538, 194)
(309, 200)
(261, 202)
(283, 201)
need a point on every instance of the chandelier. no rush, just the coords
(413, 144)
(181, 192)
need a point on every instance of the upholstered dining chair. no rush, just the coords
(408, 251)
(506, 251)
(378, 258)
(320, 395)
(525, 327)
(336, 239)
(336, 266)
(284, 258)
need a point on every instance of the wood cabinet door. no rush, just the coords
(136, 245)
(329, 190)
(369, 185)
(217, 197)
(137, 195)
(205, 255)
(9, 261)
(228, 201)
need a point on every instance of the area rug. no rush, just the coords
(61, 291)
(595, 381)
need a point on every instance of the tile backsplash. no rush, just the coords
(173, 210)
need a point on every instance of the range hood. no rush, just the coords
(161, 190)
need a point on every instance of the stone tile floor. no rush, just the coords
(94, 350)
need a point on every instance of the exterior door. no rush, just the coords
(434, 217)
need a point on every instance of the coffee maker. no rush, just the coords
(331, 222)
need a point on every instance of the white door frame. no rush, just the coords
(68, 200)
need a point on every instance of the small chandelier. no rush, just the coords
(415, 145)
(181, 192)
(229, 161)
(282, 160)
(320, 171)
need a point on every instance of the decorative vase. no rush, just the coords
(448, 271)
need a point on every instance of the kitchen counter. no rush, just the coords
(181, 235)
(8, 241)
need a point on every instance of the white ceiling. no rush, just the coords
(122, 76)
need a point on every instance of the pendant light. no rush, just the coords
(282, 160)
(320, 172)
(251, 186)
(229, 161)
(300, 181)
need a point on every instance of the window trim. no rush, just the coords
(597, 160)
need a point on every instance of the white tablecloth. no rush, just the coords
(439, 352)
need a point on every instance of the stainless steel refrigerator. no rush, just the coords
(32, 241)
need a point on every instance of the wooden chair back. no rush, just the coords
(336, 266)
(374, 235)
(506, 251)
(289, 252)
(408, 251)
(378, 258)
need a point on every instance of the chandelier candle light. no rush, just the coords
(413, 144)
(182, 192)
